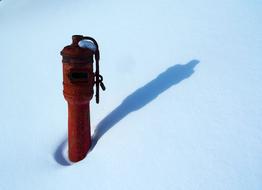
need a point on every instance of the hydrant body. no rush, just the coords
(78, 83)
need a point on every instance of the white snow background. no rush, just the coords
(183, 105)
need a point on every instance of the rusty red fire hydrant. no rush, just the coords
(78, 82)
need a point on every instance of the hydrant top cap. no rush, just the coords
(76, 39)
(74, 50)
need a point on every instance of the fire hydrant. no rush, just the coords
(78, 82)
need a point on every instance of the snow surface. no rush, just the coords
(183, 104)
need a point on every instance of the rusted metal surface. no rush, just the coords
(78, 83)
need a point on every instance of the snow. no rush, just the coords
(87, 44)
(183, 104)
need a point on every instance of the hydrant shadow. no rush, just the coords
(59, 154)
(135, 101)
(144, 95)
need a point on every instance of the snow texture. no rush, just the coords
(183, 104)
